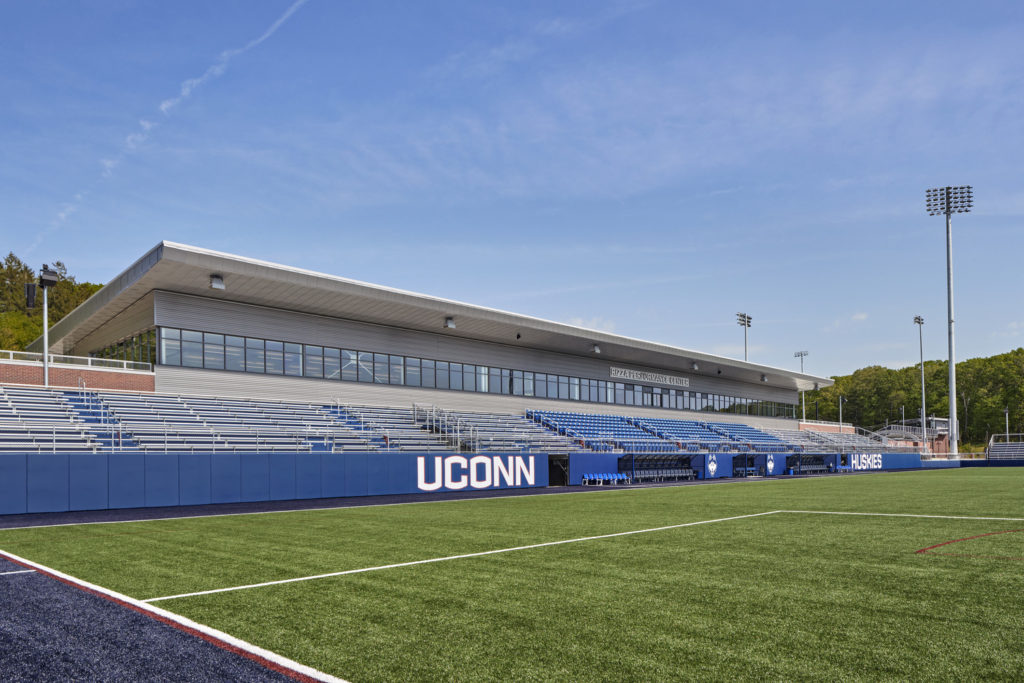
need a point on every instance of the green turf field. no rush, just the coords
(782, 596)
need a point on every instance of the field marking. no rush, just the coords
(902, 514)
(20, 571)
(270, 660)
(457, 557)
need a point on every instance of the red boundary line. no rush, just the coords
(266, 663)
(969, 538)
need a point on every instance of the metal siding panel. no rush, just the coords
(198, 313)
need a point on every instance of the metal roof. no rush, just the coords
(187, 269)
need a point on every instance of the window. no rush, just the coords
(293, 359)
(540, 385)
(275, 358)
(574, 388)
(494, 383)
(234, 353)
(443, 375)
(170, 346)
(468, 377)
(365, 366)
(254, 355)
(397, 364)
(528, 384)
(517, 382)
(427, 372)
(412, 372)
(506, 381)
(380, 368)
(332, 363)
(191, 349)
(213, 351)
(314, 361)
(349, 366)
(455, 373)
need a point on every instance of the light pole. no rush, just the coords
(919, 321)
(842, 400)
(803, 403)
(743, 320)
(1006, 412)
(47, 278)
(947, 201)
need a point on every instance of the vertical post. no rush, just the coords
(924, 420)
(745, 328)
(46, 340)
(954, 428)
(1006, 411)
(840, 414)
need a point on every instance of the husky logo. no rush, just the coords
(712, 464)
(771, 464)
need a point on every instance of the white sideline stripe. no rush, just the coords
(20, 571)
(902, 514)
(183, 621)
(455, 557)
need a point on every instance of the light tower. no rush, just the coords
(947, 201)
(919, 321)
(803, 404)
(743, 320)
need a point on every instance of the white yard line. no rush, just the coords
(457, 557)
(902, 514)
(20, 571)
(185, 624)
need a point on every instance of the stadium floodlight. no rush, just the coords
(803, 403)
(919, 321)
(946, 201)
(743, 320)
(47, 278)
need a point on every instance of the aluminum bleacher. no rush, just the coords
(494, 432)
(40, 420)
(389, 428)
(754, 439)
(603, 432)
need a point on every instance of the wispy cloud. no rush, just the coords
(134, 140)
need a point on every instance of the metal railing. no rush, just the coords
(84, 361)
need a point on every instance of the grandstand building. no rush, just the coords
(212, 323)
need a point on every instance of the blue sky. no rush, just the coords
(648, 168)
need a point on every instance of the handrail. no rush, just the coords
(88, 361)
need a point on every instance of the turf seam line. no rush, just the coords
(20, 571)
(225, 641)
(456, 557)
(902, 514)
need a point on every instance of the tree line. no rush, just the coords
(985, 387)
(21, 325)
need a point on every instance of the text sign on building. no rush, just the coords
(866, 461)
(654, 377)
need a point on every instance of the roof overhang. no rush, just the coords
(186, 269)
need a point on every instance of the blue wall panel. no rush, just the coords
(57, 482)
(194, 479)
(47, 482)
(127, 480)
(308, 475)
(377, 483)
(356, 473)
(13, 483)
(255, 476)
(717, 466)
(225, 478)
(87, 481)
(161, 479)
(282, 476)
(333, 468)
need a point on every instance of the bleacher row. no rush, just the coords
(41, 419)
